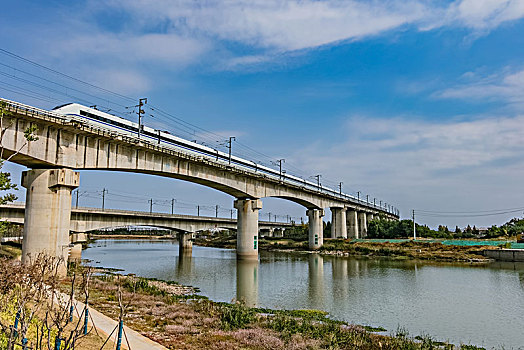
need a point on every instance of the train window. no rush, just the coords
(106, 120)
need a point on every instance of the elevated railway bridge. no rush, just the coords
(65, 145)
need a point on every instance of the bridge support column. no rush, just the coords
(185, 243)
(75, 253)
(247, 228)
(362, 224)
(316, 228)
(338, 225)
(352, 224)
(48, 212)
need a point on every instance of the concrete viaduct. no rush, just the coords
(84, 220)
(64, 146)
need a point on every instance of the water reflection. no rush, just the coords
(480, 304)
(316, 280)
(184, 267)
(247, 282)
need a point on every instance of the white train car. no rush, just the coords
(108, 121)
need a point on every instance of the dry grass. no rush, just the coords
(199, 324)
(409, 249)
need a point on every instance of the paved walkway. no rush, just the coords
(106, 325)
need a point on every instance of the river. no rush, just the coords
(470, 304)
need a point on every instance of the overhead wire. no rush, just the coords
(188, 130)
(13, 55)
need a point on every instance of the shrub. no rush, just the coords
(237, 315)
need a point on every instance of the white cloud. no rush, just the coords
(292, 25)
(237, 34)
(461, 165)
(124, 81)
(507, 86)
(280, 25)
(485, 14)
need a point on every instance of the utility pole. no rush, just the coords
(150, 206)
(374, 202)
(172, 206)
(77, 198)
(280, 161)
(269, 217)
(216, 211)
(231, 138)
(367, 198)
(198, 210)
(318, 181)
(231, 214)
(414, 226)
(104, 191)
(340, 187)
(141, 103)
(358, 196)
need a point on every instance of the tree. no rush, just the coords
(5, 177)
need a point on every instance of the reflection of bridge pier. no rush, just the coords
(247, 282)
(316, 279)
(185, 265)
(339, 268)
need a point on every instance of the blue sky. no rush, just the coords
(417, 103)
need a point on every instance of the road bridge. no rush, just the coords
(66, 145)
(85, 219)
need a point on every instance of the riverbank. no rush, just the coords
(342, 247)
(10, 251)
(179, 319)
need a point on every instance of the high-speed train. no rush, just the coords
(98, 118)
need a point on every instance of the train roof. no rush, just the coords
(65, 104)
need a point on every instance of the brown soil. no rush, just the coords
(397, 250)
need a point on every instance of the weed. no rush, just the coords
(237, 315)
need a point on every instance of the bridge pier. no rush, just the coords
(75, 253)
(185, 243)
(339, 225)
(352, 224)
(369, 217)
(362, 224)
(316, 228)
(48, 212)
(247, 228)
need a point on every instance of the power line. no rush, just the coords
(205, 137)
(13, 55)
(468, 212)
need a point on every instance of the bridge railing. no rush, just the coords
(301, 184)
